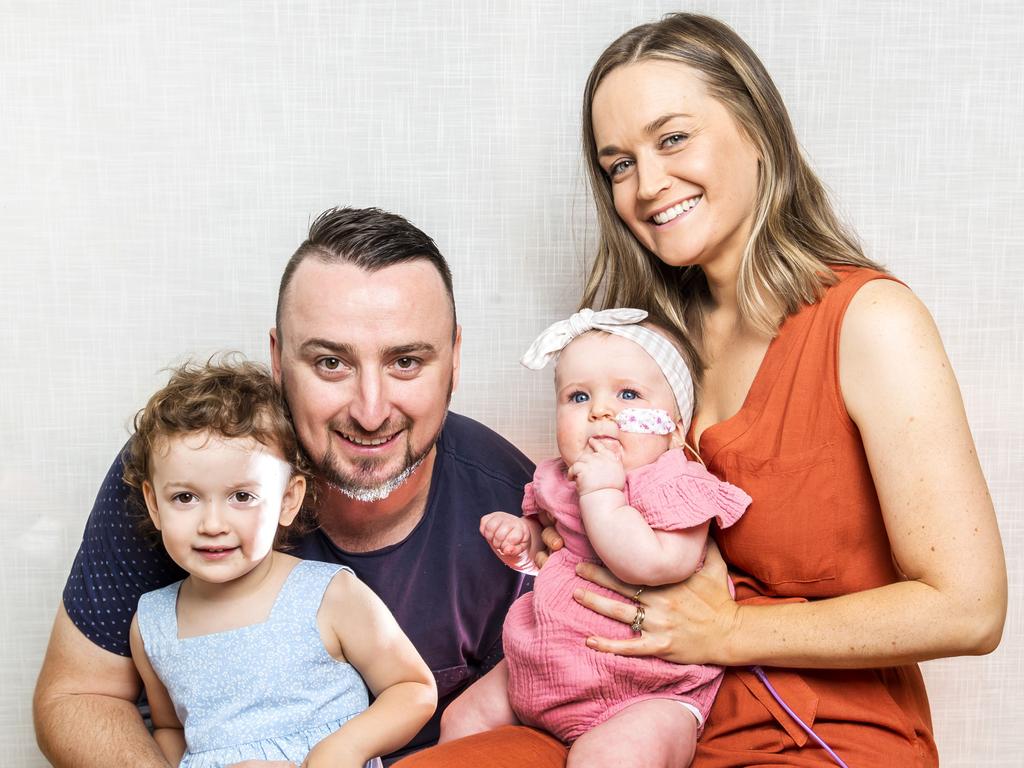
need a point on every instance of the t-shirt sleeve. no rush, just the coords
(673, 493)
(115, 564)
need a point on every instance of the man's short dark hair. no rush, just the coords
(370, 239)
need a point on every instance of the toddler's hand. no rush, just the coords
(508, 535)
(599, 467)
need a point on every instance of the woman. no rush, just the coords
(871, 543)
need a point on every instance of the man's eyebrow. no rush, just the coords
(326, 345)
(650, 128)
(414, 348)
(341, 349)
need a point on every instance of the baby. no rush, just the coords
(256, 655)
(623, 493)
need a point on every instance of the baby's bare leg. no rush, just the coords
(657, 733)
(481, 707)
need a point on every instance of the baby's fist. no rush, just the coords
(507, 534)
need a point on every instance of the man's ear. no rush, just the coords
(275, 355)
(456, 357)
(150, 496)
(292, 500)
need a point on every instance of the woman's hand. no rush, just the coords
(687, 623)
(549, 535)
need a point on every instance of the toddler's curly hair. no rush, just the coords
(227, 396)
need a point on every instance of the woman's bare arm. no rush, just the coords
(901, 392)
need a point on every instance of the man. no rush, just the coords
(366, 349)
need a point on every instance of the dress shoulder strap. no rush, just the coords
(157, 614)
(838, 297)
(304, 589)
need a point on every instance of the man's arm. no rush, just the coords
(84, 705)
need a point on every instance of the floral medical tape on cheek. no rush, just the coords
(645, 421)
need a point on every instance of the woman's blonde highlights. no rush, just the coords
(795, 236)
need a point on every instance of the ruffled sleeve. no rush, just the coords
(674, 493)
(530, 507)
(549, 488)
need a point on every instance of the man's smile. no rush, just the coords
(370, 441)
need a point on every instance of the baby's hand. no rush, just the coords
(599, 467)
(508, 535)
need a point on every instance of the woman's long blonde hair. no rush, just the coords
(796, 235)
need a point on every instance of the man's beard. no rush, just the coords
(355, 485)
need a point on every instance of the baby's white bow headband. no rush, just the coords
(619, 322)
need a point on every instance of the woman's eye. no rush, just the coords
(579, 397)
(244, 497)
(619, 167)
(183, 498)
(673, 140)
(629, 394)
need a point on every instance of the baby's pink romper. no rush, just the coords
(555, 681)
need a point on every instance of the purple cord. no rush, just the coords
(759, 673)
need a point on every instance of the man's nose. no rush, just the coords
(370, 407)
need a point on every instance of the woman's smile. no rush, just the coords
(676, 211)
(670, 150)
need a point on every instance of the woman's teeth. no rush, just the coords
(676, 210)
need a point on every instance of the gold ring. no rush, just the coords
(638, 620)
(636, 595)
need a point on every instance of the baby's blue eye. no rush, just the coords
(579, 397)
(629, 394)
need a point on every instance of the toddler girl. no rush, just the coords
(622, 492)
(256, 655)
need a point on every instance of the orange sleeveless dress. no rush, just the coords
(814, 530)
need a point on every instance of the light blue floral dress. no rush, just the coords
(268, 691)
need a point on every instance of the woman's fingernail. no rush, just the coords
(591, 642)
(577, 595)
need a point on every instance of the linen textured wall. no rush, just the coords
(161, 161)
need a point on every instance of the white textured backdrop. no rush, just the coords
(159, 163)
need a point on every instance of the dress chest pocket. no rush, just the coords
(788, 536)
